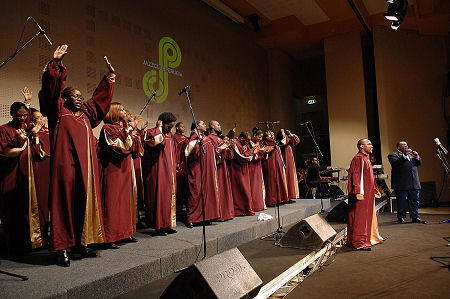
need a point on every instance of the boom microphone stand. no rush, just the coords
(148, 101)
(279, 231)
(319, 155)
(187, 90)
(442, 153)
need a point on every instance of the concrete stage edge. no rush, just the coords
(115, 272)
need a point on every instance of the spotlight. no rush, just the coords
(396, 12)
(254, 20)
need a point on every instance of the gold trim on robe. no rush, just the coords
(92, 227)
(250, 158)
(375, 237)
(173, 206)
(33, 210)
(190, 147)
(119, 143)
(133, 199)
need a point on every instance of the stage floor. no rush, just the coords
(134, 265)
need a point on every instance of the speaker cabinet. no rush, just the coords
(225, 275)
(309, 233)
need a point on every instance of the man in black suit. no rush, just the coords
(405, 181)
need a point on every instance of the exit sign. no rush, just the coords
(311, 101)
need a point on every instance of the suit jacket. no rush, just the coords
(404, 174)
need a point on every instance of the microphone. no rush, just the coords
(305, 123)
(183, 90)
(440, 146)
(268, 122)
(42, 31)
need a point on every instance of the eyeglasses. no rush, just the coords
(77, 97)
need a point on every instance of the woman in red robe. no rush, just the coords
(255, 170)
(41, 168)
(274, 173)
(287, 142)
(19, 210)
(240, 176)
(118, 145)
(223, 153)
(159, 165)
(362, 226)
(75, 190)
(197, 181)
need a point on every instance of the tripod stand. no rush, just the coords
(279, 231)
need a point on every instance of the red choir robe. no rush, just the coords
(195, 180)
(119, 196)
(75, 189)
(41, 168)
(272, 165)
(362, 226)
(159, 165)
(286, 146)
(256, 177)
(240, 179)
(182, 184)
(226, 205)
(19, 209)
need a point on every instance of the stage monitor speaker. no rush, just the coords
(339, 213)
(225, 275)
(310, 233)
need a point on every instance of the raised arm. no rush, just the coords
(53, 82)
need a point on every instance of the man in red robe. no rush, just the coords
(159, 166)
(41, 168)
(362, 227)
(182, 185)
(75, 190)
(202, 177)
(288, 142)
(19, 210)
(223, 153)
(274, 172)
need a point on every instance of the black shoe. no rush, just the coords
(418, 220)
(189, 224)
(160, 232)
(170, 230)
(131, 239)
(63, 258)
(113, 246)
(290, 201)
(87, 252)
(401, 220)
(364, 248)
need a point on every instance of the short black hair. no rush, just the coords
(33, 110)
(178, 124)
(244, 135)
(256, 131)
(17, 106)
(65, 94)
(167, 117)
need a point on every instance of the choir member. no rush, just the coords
(287, 142)
(118, 147)
(75, 190)
(202, 177)
(159, 165)
(362, 226)
(182, 184)
(19, 212)
(223, 153)
(255, 170)
(41, 168)
(274, 173)
(240, 176)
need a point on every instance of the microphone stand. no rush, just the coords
(152, 96)
(279, 231)
(319, 155)
(442, 156)
(23, 46)
(202, 152)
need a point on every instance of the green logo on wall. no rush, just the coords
(169, 58)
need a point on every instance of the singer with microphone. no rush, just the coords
(405, 181)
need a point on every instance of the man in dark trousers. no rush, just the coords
(405, 181)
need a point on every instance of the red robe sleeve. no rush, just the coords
(293, 140)
(11, 146)
(98, 106)
(53, 82)
(119, 142)
(243, 154)
(355, 176)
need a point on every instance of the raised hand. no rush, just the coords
(111, 70)
(27, 94)
(60, 52)
(360, 196)
(144, 125)
(38, 126)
